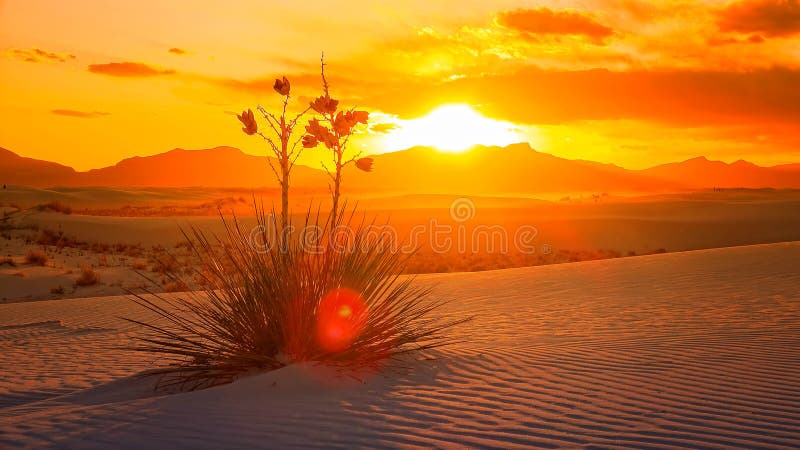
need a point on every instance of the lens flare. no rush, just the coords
(340, 318)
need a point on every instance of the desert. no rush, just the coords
(689, 349)
(417, 224)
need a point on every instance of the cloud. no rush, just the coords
(254, 86)
(716, 41)
(381, 128)
(79, 114)
(305, 82)
(128, 69)
(178, 51)
(770, 17)
(545, 21)
(37, 55)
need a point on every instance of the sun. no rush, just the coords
(451, 128)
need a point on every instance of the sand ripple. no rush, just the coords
(691, 350)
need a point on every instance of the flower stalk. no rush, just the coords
(334, 130)
(285, 150)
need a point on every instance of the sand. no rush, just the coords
(692, 350)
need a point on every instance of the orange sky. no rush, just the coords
(88, 82)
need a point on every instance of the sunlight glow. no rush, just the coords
(451, 128)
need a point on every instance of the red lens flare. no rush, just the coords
(340, 318)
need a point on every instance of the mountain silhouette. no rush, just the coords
(700, 172)
(515, 169)
(18, 170)
(216, 167)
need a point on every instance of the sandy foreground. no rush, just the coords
(693, 350)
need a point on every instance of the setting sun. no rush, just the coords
(451, 128)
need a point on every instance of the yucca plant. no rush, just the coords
(332, 297)
(273, 296)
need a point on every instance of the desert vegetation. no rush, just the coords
(88, 277)
(279, 297)
(334, 131)
(37, 257)
(56, 207)
(269, 306)
(57, 290)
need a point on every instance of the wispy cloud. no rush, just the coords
(770, 17)
(79, 114)
(37, 55)
(381, 128)
(128, 69)
(178, 51)
(545, 21)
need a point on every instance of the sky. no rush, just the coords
(89, 82)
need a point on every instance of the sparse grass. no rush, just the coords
(88, 277)
(166, 264)
(55, 207)
(139, 265)
(37, 257)
(50, 237)
(263, 308)
(58, 290)
(175, 286)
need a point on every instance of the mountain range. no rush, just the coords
(515, 169)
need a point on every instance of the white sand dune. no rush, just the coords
(683, 350)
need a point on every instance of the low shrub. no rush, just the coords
(175, 286)
(58, 290)
(49, 237)
(88, 277)
(166, 264)
(37, 257)
(139, 265)
(55, 206)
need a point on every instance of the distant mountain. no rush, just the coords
(18, 170)
(513, 170)
(702, 173)
(788, 167)
(216, 167)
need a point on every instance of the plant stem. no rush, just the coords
(337, 181)
(284, 161)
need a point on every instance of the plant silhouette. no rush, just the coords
(334, 130)
(285, 150)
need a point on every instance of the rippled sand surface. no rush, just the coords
(690, 350)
